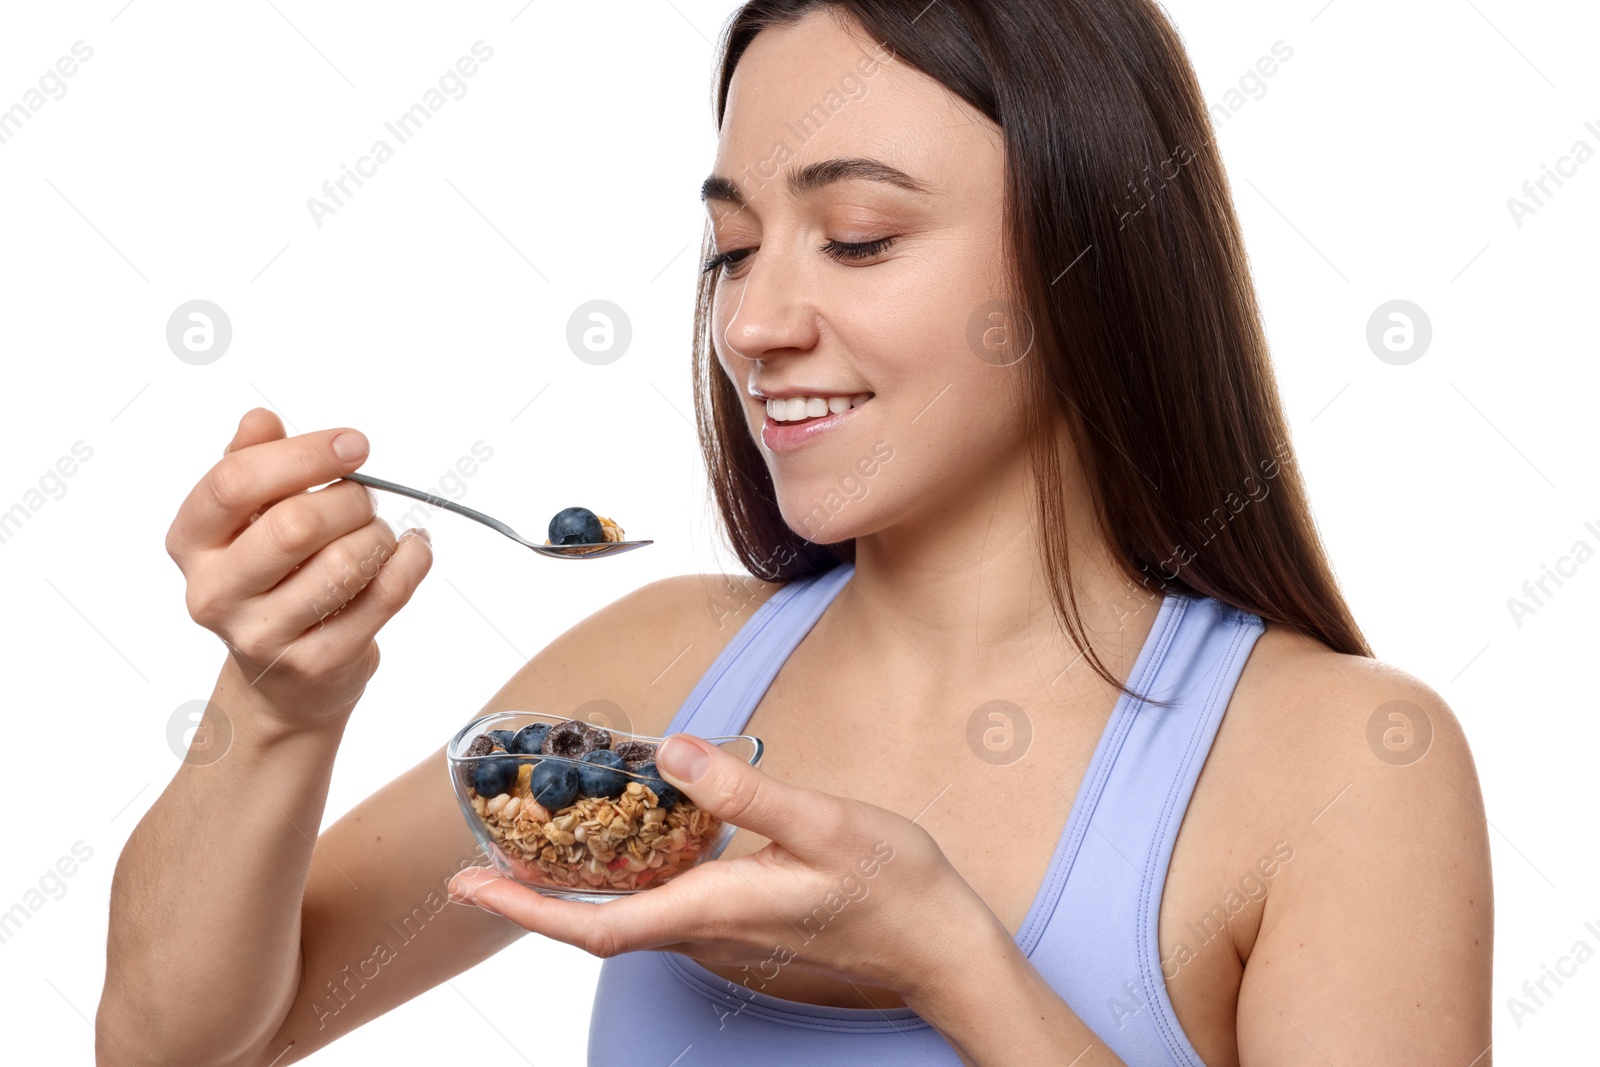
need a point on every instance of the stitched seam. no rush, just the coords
(750, 695)
(1165, 1019)
(730, 654)
(1082, 815)
(685, 970)
(1177, 1046)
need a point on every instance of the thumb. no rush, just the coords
(729, 788)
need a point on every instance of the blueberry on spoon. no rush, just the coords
(576, 526)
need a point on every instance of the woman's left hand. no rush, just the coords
(843, 887)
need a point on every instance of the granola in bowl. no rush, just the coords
(577, 811)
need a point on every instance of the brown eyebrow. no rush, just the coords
(816, 175)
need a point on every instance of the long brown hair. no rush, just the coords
(1129, 266)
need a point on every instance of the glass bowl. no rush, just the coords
(574, 828)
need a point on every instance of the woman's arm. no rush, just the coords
(1375, 948)
(265, 950)
(227, 923)
(232, 935)
(202, 951)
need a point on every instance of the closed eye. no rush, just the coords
(840, 250)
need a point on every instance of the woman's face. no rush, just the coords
(913, 318)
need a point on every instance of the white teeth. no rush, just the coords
(795, 408)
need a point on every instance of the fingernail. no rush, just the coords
(682, 758)
(420, 532)
(350, 446)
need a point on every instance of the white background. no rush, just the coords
(430, 312)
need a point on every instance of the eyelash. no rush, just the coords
(839, 250)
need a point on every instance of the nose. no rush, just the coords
(774, 313)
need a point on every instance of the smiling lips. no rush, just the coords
(797, 426)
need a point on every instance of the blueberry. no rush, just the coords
(596, 776)
(668, 795)
(576, 526)
(491, 777)
(554, 783)
(528, 739)
(501, 738)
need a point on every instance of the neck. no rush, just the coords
(954, 599)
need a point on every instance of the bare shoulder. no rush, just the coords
(1382, 923)
(642, 653)
(1322, 715)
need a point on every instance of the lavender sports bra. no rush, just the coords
(1134, 794)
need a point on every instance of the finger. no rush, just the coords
(802, 820)
(347, 631)
(256, 427)
(324, 585)
(246, 479)
(291, 532)
(667, 915)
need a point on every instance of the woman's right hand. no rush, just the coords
(296, 583)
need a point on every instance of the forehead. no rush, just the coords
(818, 90)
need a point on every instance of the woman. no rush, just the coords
(1168, 812)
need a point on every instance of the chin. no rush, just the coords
(822, 522)
(852, 501)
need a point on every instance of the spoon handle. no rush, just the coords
(438, 502)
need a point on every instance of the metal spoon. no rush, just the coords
(593, 551)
